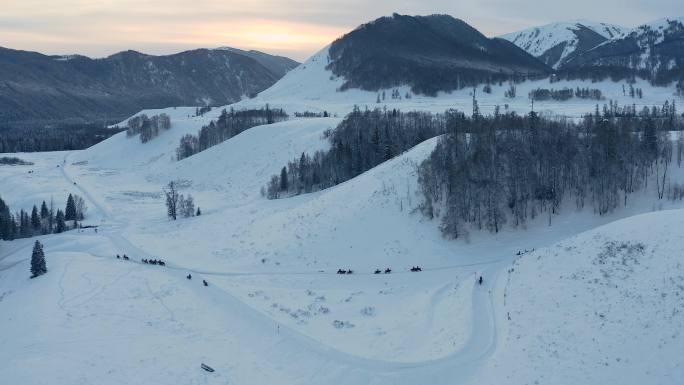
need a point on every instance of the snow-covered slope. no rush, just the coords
(553, 43)
(312, 87)
(602, 307)
(275, 311)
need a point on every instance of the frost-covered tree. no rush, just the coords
(171, 194)
(81, 207)
(186, 206)
(38, 265)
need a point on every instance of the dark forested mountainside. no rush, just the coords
(40, 88)
(429, 53)
(57, 137)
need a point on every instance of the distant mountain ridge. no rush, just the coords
(582, 49)
(429, 53)
(555, 43)
(37, 87)
(654, 50)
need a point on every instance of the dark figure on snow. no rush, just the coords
(189, 276)
(388, 270)
(204, 281)
(143, 260)
(416, 268)
(118, 256)
(340, 271)
(162, 263)
(350, 271)
(480, 280)
(377, 271)
(125, 257)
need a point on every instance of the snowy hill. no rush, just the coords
(601, 307)
(275, 311)
(554, 43)
(313, 87)
(590, 299)
(429, 53)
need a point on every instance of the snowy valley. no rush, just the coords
(575, 297)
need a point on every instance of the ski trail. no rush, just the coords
(327, 362)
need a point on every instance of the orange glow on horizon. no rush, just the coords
(295, 39)
(263, 34)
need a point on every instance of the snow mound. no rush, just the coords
(592, 305)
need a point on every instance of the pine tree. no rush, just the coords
(6, 221)
(60, 226)
(51, 216)
(44, 213)
(283, 179)
(70, 211)
(35, 219)
(171, 200)
(38, 266)
(24, 224)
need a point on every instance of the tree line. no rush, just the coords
(363, 140)
(147, 127)
(489, 171)
(14, 161)
(503, 168)
(45, 220)
(60, 137)
(228, 124)
(310, 114)
(565, 94)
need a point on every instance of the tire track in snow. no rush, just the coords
(327, 361)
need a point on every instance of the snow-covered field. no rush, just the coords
(600, 307)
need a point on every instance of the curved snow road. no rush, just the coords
(326, 364)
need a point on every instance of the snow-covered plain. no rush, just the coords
(579, 309)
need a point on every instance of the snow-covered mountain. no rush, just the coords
(554, 43)
(429, 53)
(654, 49)
(36, 87)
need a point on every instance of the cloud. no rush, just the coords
(295, 28)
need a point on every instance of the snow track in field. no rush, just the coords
(479, 345)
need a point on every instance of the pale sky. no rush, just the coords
(294, 28)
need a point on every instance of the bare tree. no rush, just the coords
(171, 200)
